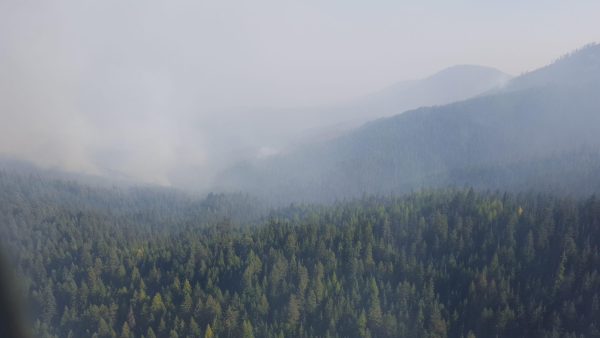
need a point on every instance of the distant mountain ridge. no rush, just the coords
(582, 66)
(540, 131)
(299, 126)
(446, 86)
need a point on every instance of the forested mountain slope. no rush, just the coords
(439, 264)
(285, 128)
(452, 84)
(582, 66)
(540, 133)
(155, 207)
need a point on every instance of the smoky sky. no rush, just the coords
(162, 90)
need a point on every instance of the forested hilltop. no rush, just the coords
(431, 264)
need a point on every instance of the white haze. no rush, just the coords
(161, 91)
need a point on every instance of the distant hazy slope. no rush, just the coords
(24, 186)
(577, 68)
(446, 86)
(449, 85)
(282, 128)
(539, 133)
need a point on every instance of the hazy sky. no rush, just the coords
(132, 86)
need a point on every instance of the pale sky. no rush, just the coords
(112, 85)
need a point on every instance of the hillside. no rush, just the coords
(539, 133)
(157, 208)
(579, 67)
(299, 126)
(446, 86)
(434, 264)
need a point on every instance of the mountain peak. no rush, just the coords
(469, 71)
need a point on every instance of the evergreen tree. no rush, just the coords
(208, 333)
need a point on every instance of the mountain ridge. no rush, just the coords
(534, 124)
